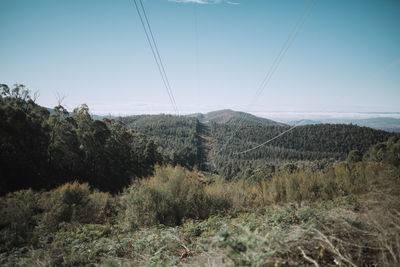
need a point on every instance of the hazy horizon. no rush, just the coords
(279, 115)
(276, 115)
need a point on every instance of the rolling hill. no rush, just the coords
(210, 141)
(383, 123)
(233, 117)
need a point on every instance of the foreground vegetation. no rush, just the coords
(345, 215)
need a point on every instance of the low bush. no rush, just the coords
(356, 175)
(74, 202)
(309, 185)
(66, 203)
(386, 152)
(232, 196)
(18, 213)
(172, 194)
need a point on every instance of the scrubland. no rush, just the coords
(347, 215)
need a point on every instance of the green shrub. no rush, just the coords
(232, 196)
(354, 176)
(392, 155)
(354, 157)
(386, 152)
(220, 196)
(74, 202)
(289, 167)
(260, 174)
(66, 203)
(18, 211)
(277, 190)
(101, 208)
(172, 194)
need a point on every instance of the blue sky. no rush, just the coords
(346, 58)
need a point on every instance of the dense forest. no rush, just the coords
(212, 146)
(40, 150)
(316, 145)
(178, 138)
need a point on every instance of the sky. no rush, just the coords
(345, 58)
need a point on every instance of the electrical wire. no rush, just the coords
(278, 59)
(372, 77)
(158, 54)
(155, 52)
(266, 142)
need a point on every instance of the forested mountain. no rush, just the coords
(384, 123)
(213, 146)
(316, 144)
(233, 117)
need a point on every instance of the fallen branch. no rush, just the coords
(308, 258)
(333, 248)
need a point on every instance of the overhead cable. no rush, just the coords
(372, 77)
(154, 49)
(278, 59)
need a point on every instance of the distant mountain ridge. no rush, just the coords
(228, 116)
(233, 117)
(383, 123)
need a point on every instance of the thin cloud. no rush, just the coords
(204, 1)
(189, 1)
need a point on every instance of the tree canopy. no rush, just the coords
(40, 150)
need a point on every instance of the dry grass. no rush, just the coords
(231, 197)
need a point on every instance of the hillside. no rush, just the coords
(233, 117)
(316, 145)
(189, 142)
(385, 123)
(177, 137)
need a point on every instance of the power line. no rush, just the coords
(266, 142)
(158, 54)
(372, 77)
(292, 36)
(196, 40)
(278, 59)
(155, 52)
